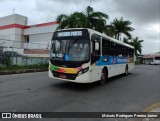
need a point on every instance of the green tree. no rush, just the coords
(119, 27)
(136, 43)
(126, 40)
(109, 30)
(74, 20)
(96, 20)
(89, 19)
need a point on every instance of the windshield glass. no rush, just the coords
(70, 50)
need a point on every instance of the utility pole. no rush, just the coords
(13, 11)
(90, 3)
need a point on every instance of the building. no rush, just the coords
(17, 35)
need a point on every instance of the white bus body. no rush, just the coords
(85, 56)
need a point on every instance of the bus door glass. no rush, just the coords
(95, 56)
(96, 48)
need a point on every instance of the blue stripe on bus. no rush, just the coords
(106, 60)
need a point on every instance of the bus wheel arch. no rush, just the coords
(126, 70)
(104, 76)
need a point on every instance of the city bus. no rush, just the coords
(85, 55)
(155, 60)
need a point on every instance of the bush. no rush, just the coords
(15, 67)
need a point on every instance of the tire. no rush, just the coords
(104, 76)
(126, 71)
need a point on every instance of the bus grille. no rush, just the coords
(68, 76)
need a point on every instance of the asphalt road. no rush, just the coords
(36, 92)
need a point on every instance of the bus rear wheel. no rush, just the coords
(103, 77)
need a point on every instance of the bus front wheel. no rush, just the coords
(103, 77)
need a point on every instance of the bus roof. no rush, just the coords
(103, 35)
(110, 38)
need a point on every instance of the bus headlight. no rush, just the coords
(80, 73)
(83, 71)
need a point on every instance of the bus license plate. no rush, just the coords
(63, 76)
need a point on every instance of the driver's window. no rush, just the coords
(58, 45)
(96, 39)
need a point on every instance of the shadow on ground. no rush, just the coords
(85, 86)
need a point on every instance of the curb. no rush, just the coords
(153, 107)
(22, 71)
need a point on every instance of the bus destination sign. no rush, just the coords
(69, 33)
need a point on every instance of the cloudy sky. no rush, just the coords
(144, 14)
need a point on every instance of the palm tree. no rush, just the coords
(120, 26)
(126, 40)
(136, 43)
(110, 31)
(89, 19)
(74, 20)
(96, 20)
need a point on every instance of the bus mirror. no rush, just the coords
(96, 46)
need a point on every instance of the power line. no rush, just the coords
(13, 11)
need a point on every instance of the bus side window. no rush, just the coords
(131, 52)
(105, 46)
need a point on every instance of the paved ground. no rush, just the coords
(36, 92)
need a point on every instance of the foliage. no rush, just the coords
(110, 31)
(15, 67)
(118, 27)
(136, 43)
(89, 19)
(97, 21)
(5, 60)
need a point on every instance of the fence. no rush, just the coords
(5, 43)
(22, 53)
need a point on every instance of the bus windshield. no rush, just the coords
(70, 50)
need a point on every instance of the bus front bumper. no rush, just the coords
(84, 78)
